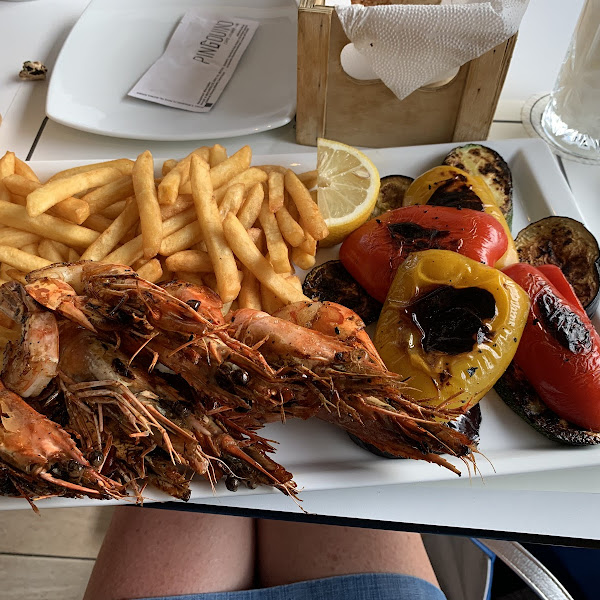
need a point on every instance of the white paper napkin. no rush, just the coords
(409, 46)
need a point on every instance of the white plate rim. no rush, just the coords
(204, 130)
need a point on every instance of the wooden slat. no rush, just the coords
(484, 83)
(24, 578)
(70, 532)
(313, 42)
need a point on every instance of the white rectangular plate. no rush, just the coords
(321, 456)
(113, 44)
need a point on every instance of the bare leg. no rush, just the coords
(150, 552)
(290, 552)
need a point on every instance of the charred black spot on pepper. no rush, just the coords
(471, 371)
(410, 237)
(456, 193)
(563, 324)
(451, 320)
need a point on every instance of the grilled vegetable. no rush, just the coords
(373, 252)
(451, 326)
(449, 186)
(559, 352)
(331, 282)
(568, 244)
(391, 193)
(516, 391)
(480, 160)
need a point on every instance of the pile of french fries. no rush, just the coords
(209, 219)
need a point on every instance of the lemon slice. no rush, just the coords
(347, 188)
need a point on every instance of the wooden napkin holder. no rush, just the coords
(333, 105)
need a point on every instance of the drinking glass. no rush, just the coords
(571, 120)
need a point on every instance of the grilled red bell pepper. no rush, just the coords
(559, 351)
(373, 252)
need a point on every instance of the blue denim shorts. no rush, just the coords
(363, 586)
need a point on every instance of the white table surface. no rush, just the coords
(554, 505)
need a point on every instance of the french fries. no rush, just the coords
(307, 207)
(248, 177)
(190, 261)
(244, 248)
(22, 168)
(227, 169)
(232, 200)
(147, 201)
(107, 195)
(216, 155)
(7, 167)
(251, 207)
(46, 226)
(49, 194)
(208, 218)
(291, 230)
(275, 191)
(9, 236)
(168, 188)
(70, 209)
(113, 234)
(124, 165)
(46, 249)
(221, 256)
(276, 246)
(152, 270)
(23, 261)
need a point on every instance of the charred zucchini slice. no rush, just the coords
(331, 282)
(480, 160)
(519, 395)
(568, 244)
(391, 193)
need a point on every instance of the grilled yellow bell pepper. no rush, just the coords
(450, 186)
(451, 326)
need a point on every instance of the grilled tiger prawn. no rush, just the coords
(39, 458)
(131, 427)
(252, 368)
(128, 403)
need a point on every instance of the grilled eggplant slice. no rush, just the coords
(519, 395)
(569, 245)
(391, 193)
(480, 160)
(331, 282)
